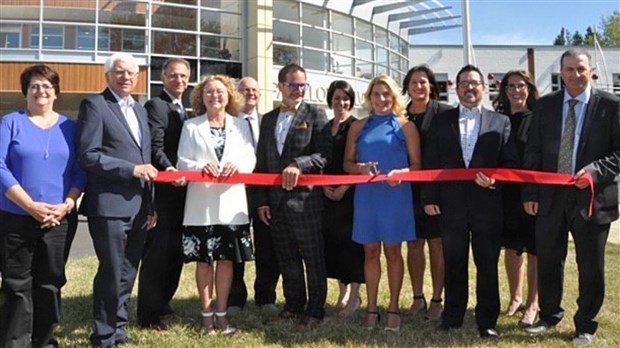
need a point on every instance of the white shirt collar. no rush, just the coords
(464, 109)
(174, 99)
(129, 102)
(583, 97)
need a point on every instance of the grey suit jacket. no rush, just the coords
(308, 143)
(598, 152)
(108, 153)
(442, 150)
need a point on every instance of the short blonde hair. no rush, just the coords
(398, 107)
(235, 99)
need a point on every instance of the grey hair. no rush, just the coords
(122, 56)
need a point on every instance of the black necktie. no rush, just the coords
(565, 158)
(180, 111)
(249, 120)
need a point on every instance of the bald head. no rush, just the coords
(248, 87)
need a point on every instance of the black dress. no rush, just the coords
(344, 258)
(518, 225)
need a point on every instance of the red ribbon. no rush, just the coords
(500, 174)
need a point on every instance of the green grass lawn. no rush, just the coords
(185, 325)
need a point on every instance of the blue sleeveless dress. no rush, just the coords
(383, 213)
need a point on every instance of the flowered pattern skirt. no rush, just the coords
(218, 242)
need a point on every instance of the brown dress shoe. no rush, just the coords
(307, 324)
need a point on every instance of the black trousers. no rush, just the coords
(551, 245)
(33, 271)
(118, 243)
(485, 235)
(161, 267)
(267, 270)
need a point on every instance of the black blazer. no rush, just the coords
(442, 150)
(165, 126)
(308, 143)
(598, 152)
(108, 153)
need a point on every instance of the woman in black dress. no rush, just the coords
(516, 98)
(344, 257)
(421, 87)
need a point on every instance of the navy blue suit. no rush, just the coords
(116, 204)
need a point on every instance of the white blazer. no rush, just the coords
(208, 203)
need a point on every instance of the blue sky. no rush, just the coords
(519, 22)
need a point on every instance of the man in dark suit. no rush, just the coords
(162, 260)
(294, 140)
(266, 264)
(576, 131)
(114, 148)
(469, 136)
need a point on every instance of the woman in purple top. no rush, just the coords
(40, 181)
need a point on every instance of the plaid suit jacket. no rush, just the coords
(308, 143)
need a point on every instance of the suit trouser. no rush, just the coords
(267, 270)
(298, 242)
(32, 275)
(161, 267)
(118, 244)
(485, 245)
(551, 245)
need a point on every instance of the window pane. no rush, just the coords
(286, 32)
(394, 61)
(174, 17)
(9, 35)
(183, 2)
(220, 47)
(382, 56)
(53, 36)
(103, 43)
(315, 60)
(381, 36)
(314, 15)
(283, 55)
(315, 38)
(133, 40)
(394, 42)
(286, 10)
(220, 23)
(404, 48)
(85, 38)
(174, 43)
(342, 44)
(364, 50)
(228, 68)
(363, 30)
(342, 65)
(122, 12)
(227, 5)
(78, 11)
(158, 62)
(364, 70)
(342, 23)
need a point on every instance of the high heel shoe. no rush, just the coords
(371, 324)
(392, 328)
(434, 310)
(208, 322)
(352, 306)
(514, 307)
(529, 317)
(226, 328)
(418, 305)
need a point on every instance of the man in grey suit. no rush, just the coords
(293, 140)
(162, 260)
(469, 136)
(114, 148)
(575, 130)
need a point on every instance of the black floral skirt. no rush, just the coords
(218, 242)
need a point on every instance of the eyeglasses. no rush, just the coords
(37, 87)
(122, 73)
(293, 86)
(212, 93)
(467, 84)
(516, 87)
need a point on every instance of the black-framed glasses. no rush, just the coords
(472, 83)
(294, 85)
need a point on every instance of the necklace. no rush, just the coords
(46, 153)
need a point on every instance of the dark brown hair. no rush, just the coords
(431, 79)
(501, 102)
(345, 87)
(39, 70)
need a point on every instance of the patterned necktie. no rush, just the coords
(180, 111)
(565, 158)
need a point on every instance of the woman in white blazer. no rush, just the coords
(216, 217)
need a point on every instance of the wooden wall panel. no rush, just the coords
(74, 77)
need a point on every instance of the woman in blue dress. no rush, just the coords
(385, 142)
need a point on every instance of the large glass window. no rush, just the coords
(364, 70)
(283, 55)
(286, 32)
(173, 17)
(85, 39)
(382, 56)
(342, 44)
(342, 65)
(342, 23)
(220, 23)
(10, 35)
(363, 30)
(314, 15)
(381, 36)
(228, 68)
(133, 40)
(220, 47)
(364, 50)
(315, 38)
(173, 43)
(122, 12)
(286, 10)
(53, 36)
(394, 42)
(315, 60)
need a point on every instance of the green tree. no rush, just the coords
(589, 38)
(611, 30)
(560, 40)
(577, 39)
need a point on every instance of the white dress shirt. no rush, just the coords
(469, 127)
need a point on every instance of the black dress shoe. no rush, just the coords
(444, 327)
(538, 327)
(307, 324)
(489, 333)
(583, 339)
